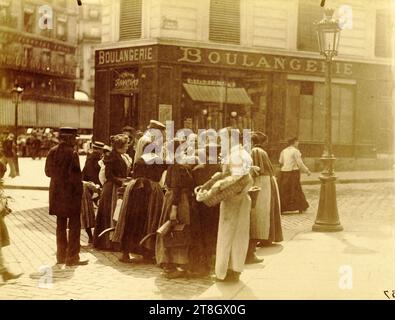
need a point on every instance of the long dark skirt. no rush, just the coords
(192, 255)
(87, 209)
(104, 217)
(291, 193)
(155, 204)
(136, 216)
(209, 219)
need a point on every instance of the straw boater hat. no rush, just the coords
(68, 131)
(153, 124)
(97, 145)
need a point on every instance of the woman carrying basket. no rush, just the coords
(234, 221)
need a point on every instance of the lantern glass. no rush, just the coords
(16, 92)
(328, 34)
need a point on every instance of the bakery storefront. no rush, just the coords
(280, 95)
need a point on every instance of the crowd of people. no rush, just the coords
(35, 144)
(130, 198)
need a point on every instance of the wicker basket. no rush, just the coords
(210, 198)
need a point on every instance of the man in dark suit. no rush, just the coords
(65, 193)
(92, 168)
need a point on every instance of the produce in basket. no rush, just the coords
(213, 192)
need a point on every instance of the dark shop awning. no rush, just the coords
(217, 94)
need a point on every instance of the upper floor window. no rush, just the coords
(28, 20)
(225, 21)
(45, 57)
(6, 19)
(61, 29)
(383, 34)
(130, 19)
(94, 13)
(308, 13)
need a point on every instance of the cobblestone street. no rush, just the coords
(33, 248)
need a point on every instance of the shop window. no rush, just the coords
(224, 25)
(305, 112)
(130, 19)
(309, 12)
(28, 21)
(46, 57)
(28, 53)
(383, 34)
(61, 60)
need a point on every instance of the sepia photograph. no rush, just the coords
(184, 150)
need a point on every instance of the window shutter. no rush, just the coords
(130, 19)
(383, 34)
(308, 13)
(225, 21)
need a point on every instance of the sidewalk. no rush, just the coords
(33, 177)
(357, 263)
(305, 265)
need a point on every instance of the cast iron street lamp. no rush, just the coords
(16, 96)
(327, 219)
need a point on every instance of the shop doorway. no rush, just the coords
(124, 111)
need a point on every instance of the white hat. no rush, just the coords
(154, 124)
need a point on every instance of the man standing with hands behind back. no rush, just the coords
(65, 193)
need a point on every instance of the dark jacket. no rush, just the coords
(4, 238)
(4, 210)
(116, 169)
(8, 148)
(92, 168)
(65, 189)
(131, 152)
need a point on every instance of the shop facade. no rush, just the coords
(281, 95)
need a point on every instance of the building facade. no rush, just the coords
(89, 36)
(38, 41)
(252, 63)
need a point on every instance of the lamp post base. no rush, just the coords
(327, 219)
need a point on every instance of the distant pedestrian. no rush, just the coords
(65, 193)
(10, 154)
(4, 237)
(36, 146)
(291, 193)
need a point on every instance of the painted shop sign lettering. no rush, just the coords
(19, 61)
(9, 37)
(124, 55)
(259, 61)
(217, 83)
(126, 81)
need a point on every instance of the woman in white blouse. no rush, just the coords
(291, 193)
